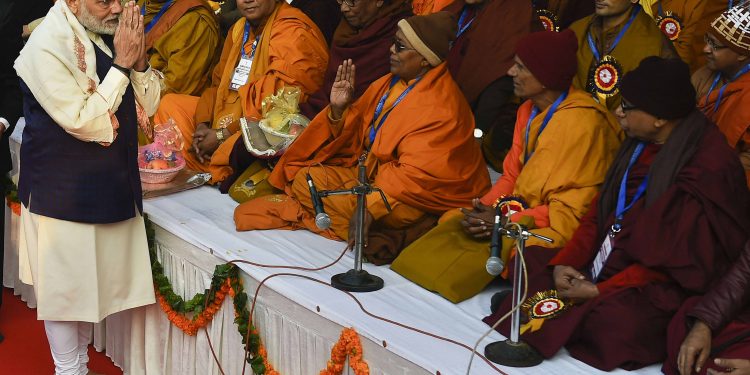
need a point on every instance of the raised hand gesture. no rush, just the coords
(343, 89)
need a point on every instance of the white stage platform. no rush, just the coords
(299, 320)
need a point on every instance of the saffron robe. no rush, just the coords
(733, 114)
(424, 7)
(666, 251)
(642, 39)
(423, 158)
(696, 16)
(291, 52)
(369, 49)
(183, 44)
(570, 160)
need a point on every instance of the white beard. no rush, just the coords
(95, 25)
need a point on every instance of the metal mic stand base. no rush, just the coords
(512, 354)
(357, 281)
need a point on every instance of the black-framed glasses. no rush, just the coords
(625, 106)
(713, 44)
(400, 47)
(349, 3)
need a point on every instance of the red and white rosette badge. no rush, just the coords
(605, 77)
(543, 305)
(549, 20)
(670, 25)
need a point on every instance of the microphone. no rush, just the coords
(494, 264)
(322, 220)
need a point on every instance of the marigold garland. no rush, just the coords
(10, 191)
(347, 346)
(225, 281)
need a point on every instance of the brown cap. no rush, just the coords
(732, 28)
(431, 35)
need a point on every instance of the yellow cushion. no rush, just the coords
(252, 183)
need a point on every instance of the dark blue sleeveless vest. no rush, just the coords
(79, 181)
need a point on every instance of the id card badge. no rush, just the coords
(241, 73)
(601, 257)
(606, 247)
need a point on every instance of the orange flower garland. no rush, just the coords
(226, 281)
(263, 354)
(15, 207)
(11, 195)
(347, 346)
(191, 326)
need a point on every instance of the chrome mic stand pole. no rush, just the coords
(513, 352)
(357, 279)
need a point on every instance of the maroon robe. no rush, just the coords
(484, 52)
(370, 52)
(723, 343)
(669, 249)
(479, 62)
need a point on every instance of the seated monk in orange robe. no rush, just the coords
(416, 127)
(723, 85)
(285, 48)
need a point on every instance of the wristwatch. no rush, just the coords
(220, 135)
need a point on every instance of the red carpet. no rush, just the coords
(25, 350)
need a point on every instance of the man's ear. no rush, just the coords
(660, 122)
(74, 5)
(743, 58)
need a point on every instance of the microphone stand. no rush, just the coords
(513, 352)
(357, 279)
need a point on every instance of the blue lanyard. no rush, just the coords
(621, 196)
(534, 111)
(661, 9)
(464, 14)
(592, 45)
(379, 109)
(244, 40)
(742, 71)
(156, 17)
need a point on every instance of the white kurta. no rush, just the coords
(84, 272)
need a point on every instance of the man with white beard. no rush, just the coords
(83, 243)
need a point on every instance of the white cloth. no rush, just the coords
(58, 64)
(69, 343)
(203, 218)
(4, 123)
(84, 272)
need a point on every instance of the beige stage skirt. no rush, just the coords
(84, 272)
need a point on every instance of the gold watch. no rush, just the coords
(220, 135)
